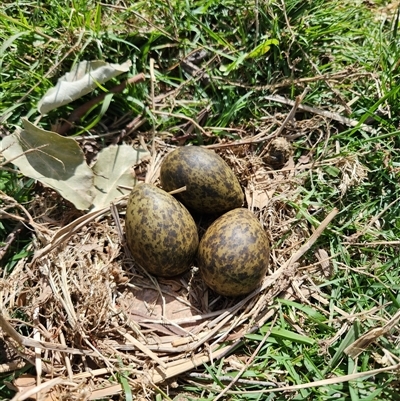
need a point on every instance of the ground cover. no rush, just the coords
(215, 73)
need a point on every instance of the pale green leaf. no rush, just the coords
(258, 51)
(262, 48)
(82, 79)
(52, 159)
(112, 170)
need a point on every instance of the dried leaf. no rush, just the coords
(258, 198)
(82, 79)
(361, 344)
(28, 388)
(112, 170)
(304, 159)
(24, 382)
(52, 159)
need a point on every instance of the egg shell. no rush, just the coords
(160, 232)
(211, 186)
(233, 253)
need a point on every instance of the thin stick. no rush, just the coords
(66, 358)
(159, 377)
(10, 238)
(295, 106)
(333, 116)
(164, 113)
(373, 243)
(205, 376)
(255, 139)
(290, 82)
(178, 190)
(256, 16)
(152, 82)
(27, 151)
(38, 351)
(358, 346)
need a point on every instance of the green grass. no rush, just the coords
(248, 48)
(14, 190)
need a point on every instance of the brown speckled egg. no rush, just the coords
(233, 253)
(160, 232)
(211, 186)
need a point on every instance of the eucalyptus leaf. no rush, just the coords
(82, 79)
(112, 170)
(52, 159)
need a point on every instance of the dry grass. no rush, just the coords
(96, 316)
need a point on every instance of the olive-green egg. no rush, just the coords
(233, 253)
(211, 186)
(160, 232)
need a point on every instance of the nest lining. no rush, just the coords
(94, 313)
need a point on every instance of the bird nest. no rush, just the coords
(89, 319)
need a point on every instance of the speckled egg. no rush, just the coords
(233, 253)
(160, 232)
(211, 186)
